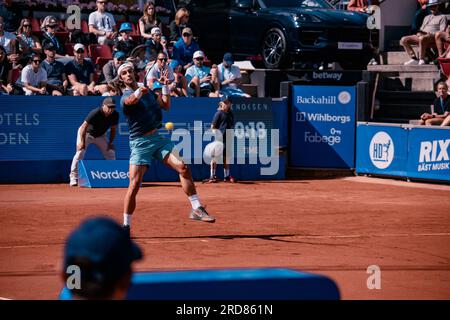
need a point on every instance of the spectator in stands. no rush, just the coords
(28, 43)
(421, 13)
(109, 73)
(57, 82)
(229, 77)
(155, 45)
(81, 73)
(148, 21)
(34, 78)
(49, 27)
(200, 80)
(5, 73)
(432, 23)
(179, 82)
(9, 42)
(440, 38)
(105, 254)
(184, 48)
(176, 26)
(102, 24)
(160, 72)
(124, 42)
(361, 5)
(441, 108)
(93, 130)
(11, 15)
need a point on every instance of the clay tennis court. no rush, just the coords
(333, 227)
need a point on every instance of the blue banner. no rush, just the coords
(381, 149)
(429, 153)
(323, 126)
(103, 173)
(38, 128)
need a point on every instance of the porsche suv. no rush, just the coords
(281, 32)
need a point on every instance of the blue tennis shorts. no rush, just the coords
(144, 149)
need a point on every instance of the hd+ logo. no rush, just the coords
(381, 150)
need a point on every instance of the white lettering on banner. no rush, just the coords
(19, 119)
(316, 100)
(327, 75)
(331, 140)
(429, 149)
(434, 151)
(14, 138)
(321, 117)
(250, 107)
(103, 175)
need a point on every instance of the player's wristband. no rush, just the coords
(138, 93)
(165, 90)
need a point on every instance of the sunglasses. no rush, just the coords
(52, 26)
(199, 59)
(26, 25)
(37, 61)
(80, 51)
(187, 34)
(163, 59)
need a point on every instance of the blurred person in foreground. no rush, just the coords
(104, 254)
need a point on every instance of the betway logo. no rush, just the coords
(103, 175)
(316, 100)
(327, 75)
(320, 117)
(433, 151)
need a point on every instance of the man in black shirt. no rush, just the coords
(441, 106)
(93, 130)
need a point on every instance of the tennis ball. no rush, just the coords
(169, 125)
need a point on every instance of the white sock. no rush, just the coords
(195, 201)
(213, 172)
(226, 172)
(127, 219)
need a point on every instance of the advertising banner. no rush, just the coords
(381, 149)
(429, 153)
(323, 126)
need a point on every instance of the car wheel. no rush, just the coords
(274, 49)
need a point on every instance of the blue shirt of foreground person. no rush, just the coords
(103, 251)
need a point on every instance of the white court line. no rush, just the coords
(256, 236)
(399, 183)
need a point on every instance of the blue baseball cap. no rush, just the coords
(105, 244)
(228, 58)
(119, 55)
(157, 85)
(126, 26)
(226, 98)
(174, 64)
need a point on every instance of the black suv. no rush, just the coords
(281, 32)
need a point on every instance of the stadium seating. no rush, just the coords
(84, 26)
(100, 54)
(444, 63)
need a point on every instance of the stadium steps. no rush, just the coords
(402, 106)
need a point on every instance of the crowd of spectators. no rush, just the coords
(58, 60)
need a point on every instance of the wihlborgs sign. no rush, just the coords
(323, 126)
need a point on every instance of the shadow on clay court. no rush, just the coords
(270, 237)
